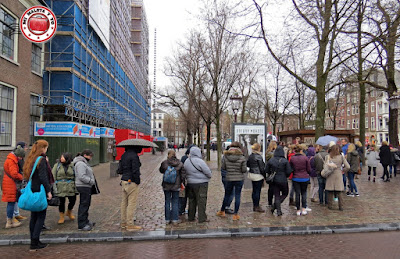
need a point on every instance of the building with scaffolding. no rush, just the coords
(96, 66)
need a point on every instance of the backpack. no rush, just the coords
(170, 175)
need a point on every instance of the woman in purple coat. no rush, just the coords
(301, 178)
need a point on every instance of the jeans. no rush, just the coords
(322, 193)
(85, 194)
(36, 223)
(385, 172)
(16, 209)
(71, 204)
(10, 210)
(231, 196)
(255, 195)
(197, 194)
(291, 194)
(344, 182)
(182, 205)
(281, 191)
(230, 187)
(130, 192)
(300, 189)
(394, 171)
(171, 205)
(369, 170)
(270, 194)
(353, 186)
(314, 187)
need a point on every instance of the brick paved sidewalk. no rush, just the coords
(378, 203)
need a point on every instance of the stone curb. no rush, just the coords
(194, 234)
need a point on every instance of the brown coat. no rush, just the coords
(334, 182)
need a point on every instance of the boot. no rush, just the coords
(36, 245)
(11, 224)
(258, 209)
(70, 215)
(330, 200)
(340, 196)
(291, 202)
(61, 220)
(278, 208)
(273, 208)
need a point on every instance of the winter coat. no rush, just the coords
(392, 152)
(84, 176)
(334, 182)
(311, 158)
(385, 155)
(319, 159)
(197, 171)
(372, 158)
(64, 177)
(354, 161)
(129, 166)
(256, 164)
(301, 166)
(235, 165)
(360, 152)
(280, 165)
(180, 174)
(9, 187)
(41, 176)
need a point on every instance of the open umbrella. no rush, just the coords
(136, 143)
(324, 140)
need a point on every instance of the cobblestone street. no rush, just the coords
(378, 203)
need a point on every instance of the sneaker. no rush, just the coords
(304, 211)
(221, 214)
(19, 217)
(374, 179)
(349, 194)
(336, 199)
(229, 211)
(236, 217)
(298, 213)
(308, 209)
(86, 228)
(356, 194)
(133, 228)
(175, 222)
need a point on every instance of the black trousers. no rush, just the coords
(85, 194)
(36, 223)
(281, 191)
(197, 194)
(300, 188)
(71, 204)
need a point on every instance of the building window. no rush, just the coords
(35, 115)
(353, 109)
(348, 124)
(159, 116)
(372, 93)
(36, 61)
(348, 110)
(357, 124)
(355, 97)
(372, 123)
(366, 122)
(154, 125)
(353, 126)
(159, 125)
(6, 114)
(366, 107)
(372, 107)
(8, 40)
(154, 133)
(348, 97)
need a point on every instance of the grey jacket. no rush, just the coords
(353, 160)
(234, 163)
(83, 173)
(319, 159)
(197, 170)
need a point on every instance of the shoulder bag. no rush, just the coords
(329, 167)
(270, 177)
(33, 201)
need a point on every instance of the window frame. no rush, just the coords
(13, 116)
(14, 59)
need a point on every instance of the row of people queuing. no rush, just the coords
(68, 178)
(301, 164)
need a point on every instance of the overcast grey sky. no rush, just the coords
(172, 19)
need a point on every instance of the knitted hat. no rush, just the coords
(22, 144)
(19, 152)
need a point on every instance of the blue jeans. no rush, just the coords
(257, 185)
(323, 195)
(16, 209)
(236, 187)
(394, 171)
(344, 182)
(231, 196)
(10, 210)
(171, 205)
(353, 186)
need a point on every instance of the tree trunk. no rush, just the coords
(360, 79)
(219, 143)
(208, 139)
(320, 114)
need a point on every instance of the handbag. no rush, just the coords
(95, 188)
(33, 201)
(396, 157)
(254, 177)
(329, 167)
(55, 200)
(270, 177)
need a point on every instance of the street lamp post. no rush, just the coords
(236, 100)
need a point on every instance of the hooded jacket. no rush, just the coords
(180, 174)
(311, 158)
(9, 186)
(196, 169)
(280, 165)
(234, 163)
(385, 155)
(129, 166)
(84, 176)
(372, 158)
(353, 160)
(319, 159)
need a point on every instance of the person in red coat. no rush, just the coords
(11, 176)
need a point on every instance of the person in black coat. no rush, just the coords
(257, 167)
(281, 166)
(129, 167)
(386, 158)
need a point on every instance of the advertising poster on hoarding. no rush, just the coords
(107, 133)
(88, 131)
(249, 134)
(57, 129)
